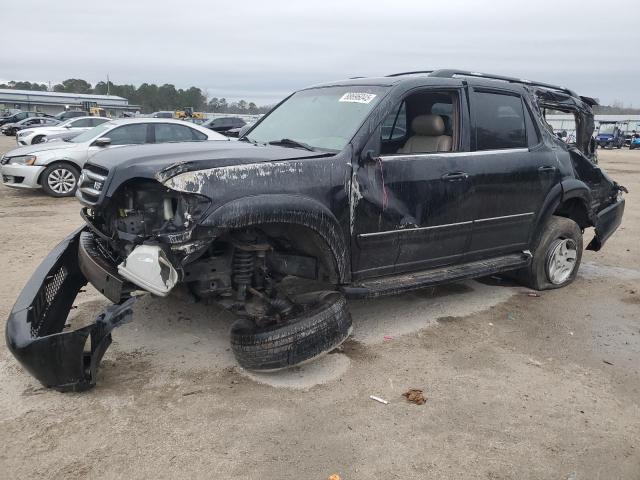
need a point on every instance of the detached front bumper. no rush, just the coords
(34, 332)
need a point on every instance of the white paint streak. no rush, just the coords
(196, 181)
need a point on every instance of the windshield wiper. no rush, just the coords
(287, 142)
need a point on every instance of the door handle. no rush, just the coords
(547, 169)
(455, 176)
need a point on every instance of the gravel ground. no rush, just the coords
(516, 386)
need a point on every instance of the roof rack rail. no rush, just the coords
(410, 73)
(449, 73)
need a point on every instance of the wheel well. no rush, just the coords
(576, 210)
(300, 239)
(58, 162)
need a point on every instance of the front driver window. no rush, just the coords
(128, 134)
(167, 132)
(82, 123)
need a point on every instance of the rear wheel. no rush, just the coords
(322, 322)
(556, 256)
(60, 180)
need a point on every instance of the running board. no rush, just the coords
(392, 285)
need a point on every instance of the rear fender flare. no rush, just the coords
(283, 208)
(560, 193)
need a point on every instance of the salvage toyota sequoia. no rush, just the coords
(353, 189)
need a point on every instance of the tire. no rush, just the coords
(60, 180)
(541, 274)
(37, 139)
(322, 326)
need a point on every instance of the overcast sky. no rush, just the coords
(262, 50)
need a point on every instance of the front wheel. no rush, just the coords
(37, 139)
(556, 256)
(320, 324)
(60, 180)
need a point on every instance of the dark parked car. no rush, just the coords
(66, 115)
(224, 124)
(610, 135)
(324, 188)
(163, 114)
(16, 117)
(11, 129)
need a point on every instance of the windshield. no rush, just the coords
(91, 133)
(607, 128)
(322, 118)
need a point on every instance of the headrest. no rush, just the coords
(428, 125)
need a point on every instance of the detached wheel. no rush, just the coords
(322, 324)
(556, 256)
(60, 180)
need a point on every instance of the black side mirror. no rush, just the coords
(369, 156)
(102, 142)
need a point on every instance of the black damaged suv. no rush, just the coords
(359, 188)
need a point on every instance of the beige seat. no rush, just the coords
(428, 136)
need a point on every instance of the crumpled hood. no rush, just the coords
(40, 147)
(163, 161)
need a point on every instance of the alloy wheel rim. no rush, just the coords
(61, 180)
(561, 260)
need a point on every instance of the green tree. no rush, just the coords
(74, 85)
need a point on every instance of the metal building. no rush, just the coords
(56, 102)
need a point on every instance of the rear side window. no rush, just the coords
(500, 121)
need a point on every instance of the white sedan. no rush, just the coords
(55, 166)
(64, 130)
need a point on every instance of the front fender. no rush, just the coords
(284, 208)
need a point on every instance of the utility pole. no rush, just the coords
(107, 84)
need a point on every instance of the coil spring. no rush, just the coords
(242, 267)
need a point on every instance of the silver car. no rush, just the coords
(65, 130)
(55, 166)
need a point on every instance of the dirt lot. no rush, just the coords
(517, 387)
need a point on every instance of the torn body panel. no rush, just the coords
(34, 330)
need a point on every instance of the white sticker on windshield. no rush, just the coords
(357, 97)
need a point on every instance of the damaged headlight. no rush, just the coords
(151, 210)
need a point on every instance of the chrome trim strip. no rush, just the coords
(94, 176)
(90, 191)
(435, 227)
(490, 219)
(455, 154)
(417, 229)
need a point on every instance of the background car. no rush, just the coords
(55, 166)
(224, 124)
(162, 114)
(11, 129)
(16, 117)
(63, 131)
(66, 115)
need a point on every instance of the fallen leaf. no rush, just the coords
(415, 395)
